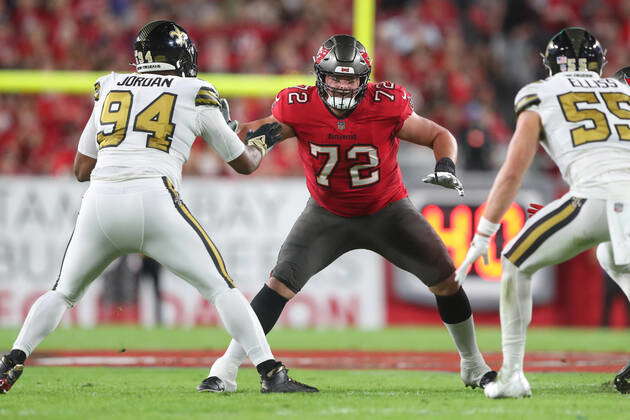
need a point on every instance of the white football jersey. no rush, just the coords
(143, 126)
(586, 130)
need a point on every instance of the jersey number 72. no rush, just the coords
(332, 158)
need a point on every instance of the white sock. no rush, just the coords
(43, 317)
(516, 314)
(463, 334)
(242, 324)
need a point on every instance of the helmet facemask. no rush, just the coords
(341, 98)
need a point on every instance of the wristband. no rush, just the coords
(445, 165)
(486, 227)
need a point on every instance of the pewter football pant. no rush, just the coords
(143, 216)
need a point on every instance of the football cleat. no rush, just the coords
(226, 371)
(477, 375)
(278, 380)
(9, 374)
(622, 379)
(211, 384)
(487, 377)
(509, 385)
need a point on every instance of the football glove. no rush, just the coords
(224, 107)
(444, 175)
(264, 137)
(478, 247)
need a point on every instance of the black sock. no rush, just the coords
(266, 366)
(17, 356)
(455, 308)
(268, 306)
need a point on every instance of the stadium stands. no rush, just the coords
(462, 60)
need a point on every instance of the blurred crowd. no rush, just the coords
(463, 61)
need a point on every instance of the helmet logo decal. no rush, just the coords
(571, 64)
(323, 52)
(366, 58)
(180, 37)
(341, 69)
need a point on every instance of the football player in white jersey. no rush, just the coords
(583, 122)
(132, 150)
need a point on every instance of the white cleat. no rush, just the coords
(226, 371)
(509, 385)
(476, 374)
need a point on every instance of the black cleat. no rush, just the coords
(488, 377)
(621, 380)
(211, 384)
(278, 380)
(9, 374)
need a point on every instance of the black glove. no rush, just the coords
(264, 137)
(444, 175)
(224, 107)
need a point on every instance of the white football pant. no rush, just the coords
(143, 216)
(561, 230)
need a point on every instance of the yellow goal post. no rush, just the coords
(229, 85)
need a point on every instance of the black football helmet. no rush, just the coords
(164, 45)
(623, 75)
(342, 55)
(574, 49)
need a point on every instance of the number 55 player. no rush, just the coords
(583, 122)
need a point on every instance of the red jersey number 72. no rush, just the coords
(357, 180)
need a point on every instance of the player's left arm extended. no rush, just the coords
(520, 155)
(425, 132)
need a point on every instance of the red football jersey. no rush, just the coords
(350, 164)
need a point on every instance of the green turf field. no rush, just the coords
(420, 339)
(139, 393)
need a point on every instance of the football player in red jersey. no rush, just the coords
(348, 133)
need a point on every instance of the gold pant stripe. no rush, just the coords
(210, 246)
(209, 242)
(545, 226)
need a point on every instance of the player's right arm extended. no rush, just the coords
(285, 132)
(242, 129)
(243, 158)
